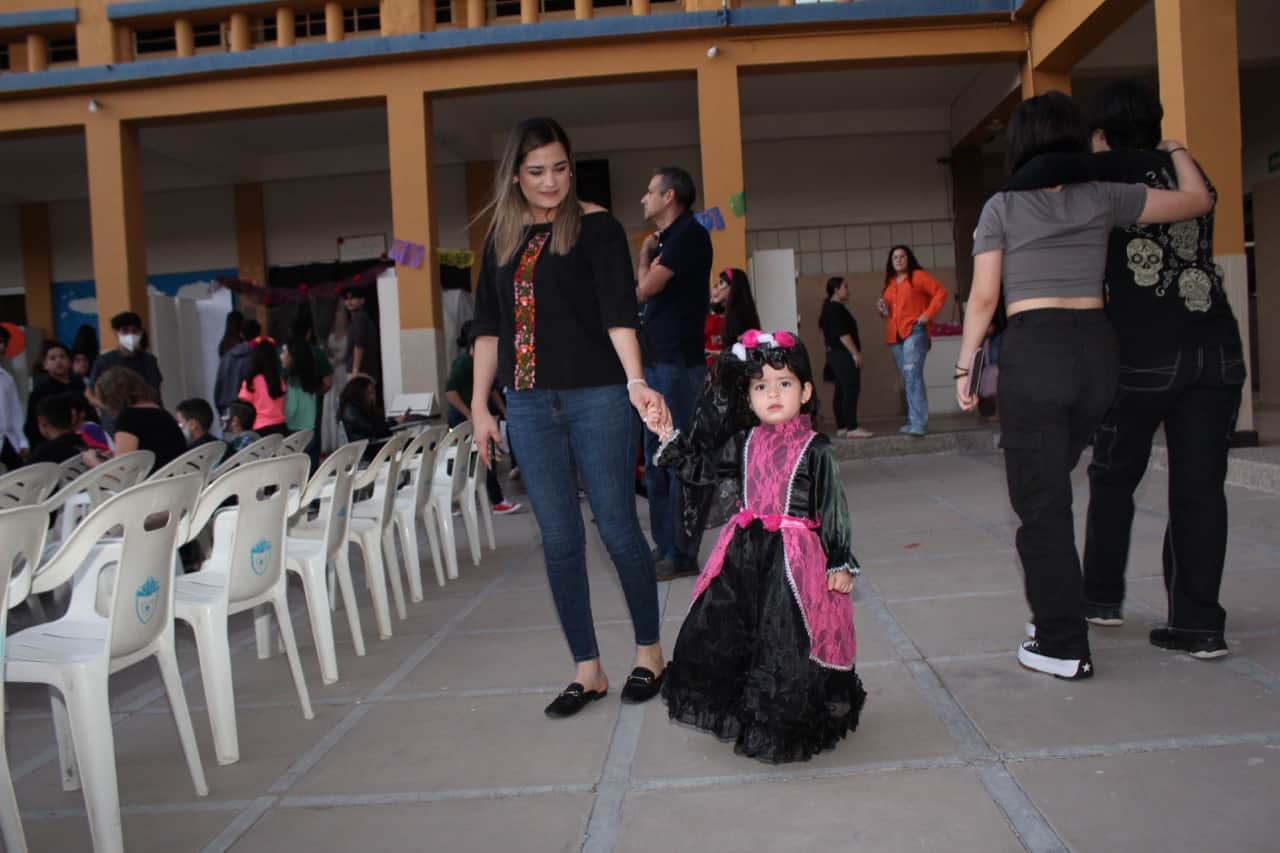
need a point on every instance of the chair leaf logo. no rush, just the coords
(146, 599)
(260, 557)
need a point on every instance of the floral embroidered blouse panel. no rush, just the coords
(552, 313)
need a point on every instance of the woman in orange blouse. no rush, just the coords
(910, 300)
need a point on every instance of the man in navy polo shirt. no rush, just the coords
(672, 282)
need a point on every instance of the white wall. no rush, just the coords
(451, 206)
(190, 230)
(71, 241)
(843, 180)
(10, 247)
(305, 218)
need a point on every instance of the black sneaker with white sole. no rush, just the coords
(1068, 669)
(1103, 614)
(1201, 645)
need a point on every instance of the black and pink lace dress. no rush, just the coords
(766, 655)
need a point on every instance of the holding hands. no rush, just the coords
(657, 417)
(841, 582)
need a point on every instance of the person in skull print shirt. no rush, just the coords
(1181, 366)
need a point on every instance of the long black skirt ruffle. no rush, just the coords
(741, 667)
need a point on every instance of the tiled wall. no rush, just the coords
(839, 249)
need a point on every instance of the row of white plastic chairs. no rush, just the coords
(120, 564)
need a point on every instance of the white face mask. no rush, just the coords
(130, 342)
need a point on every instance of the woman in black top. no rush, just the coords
(361, 417)
(141, 423)
(569, 379)
(58, 379)
(844, 357)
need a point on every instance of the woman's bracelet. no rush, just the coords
(961, 372)
(631, 382)
(1179, 148)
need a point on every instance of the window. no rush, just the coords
(308, 24)
(208, 35)
(4, 57)
(264, 31)
(154, 41)
(363, 20)
(63, 50)
(503, 8)
(557, 5)
(444, 12)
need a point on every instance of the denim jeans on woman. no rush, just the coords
(1057, 380)
(559, 437)
(909, 356)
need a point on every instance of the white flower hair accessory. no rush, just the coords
(754, 338)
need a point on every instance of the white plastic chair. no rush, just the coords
(244, 571)
(70, 469)
(313, 546)
(413, 501)
(75, 655)
(263, 448)
(295, 443)
(371, 531)
(22, 533)
(198, 460)
(94, 487)
(447, 484)
(476, 501)
(28, 485)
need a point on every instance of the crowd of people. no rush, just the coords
(1097, 268)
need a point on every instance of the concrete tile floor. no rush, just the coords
(435, 740)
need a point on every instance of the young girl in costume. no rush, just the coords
(766, 655)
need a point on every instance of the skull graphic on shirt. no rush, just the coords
(1145, 259)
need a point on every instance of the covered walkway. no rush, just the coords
(436, 739)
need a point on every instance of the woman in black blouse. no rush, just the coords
(141, 423)
(569, 378)
(844, 357)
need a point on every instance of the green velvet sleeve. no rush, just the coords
(831, 509)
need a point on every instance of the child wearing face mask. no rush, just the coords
(128, 353)
(195, 419)
(765, 657)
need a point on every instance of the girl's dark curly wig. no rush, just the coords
(735, 377)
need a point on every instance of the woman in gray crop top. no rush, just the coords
(1058, 364)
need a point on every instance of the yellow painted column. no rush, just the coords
(285, 36)
(115, 220)
(401, 17)
(720, 136)
(1200, 91)
(529, 11)
(413, 219)
(639, 7)
(184, 35)
(581, 9)
(251, 243)
(1038, 81)
(37, 52)
(475, 14)
(37, 266)
(96, 41)
(240, 38)
(333, 21)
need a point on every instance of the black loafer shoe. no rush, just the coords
(572, 700)
(667, 570)
(642, 685)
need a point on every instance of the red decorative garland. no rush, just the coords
(272, 296)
